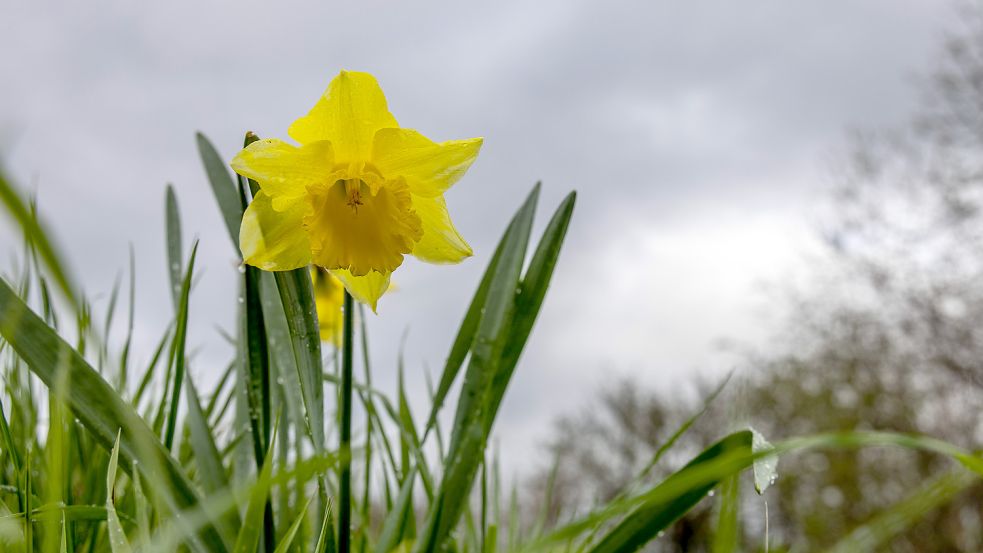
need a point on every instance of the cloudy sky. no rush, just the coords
(694, 132)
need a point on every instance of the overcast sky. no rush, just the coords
(694, 132)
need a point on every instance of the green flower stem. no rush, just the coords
(345, 476)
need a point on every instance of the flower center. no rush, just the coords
(354, 193)
(362, 228)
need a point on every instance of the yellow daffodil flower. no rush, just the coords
(329, 297)
(356, 196)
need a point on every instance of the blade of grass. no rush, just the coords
(650, 518)
(207, 458)
(468, 437)
(117, 537)
(97, 406)
(288, 538)
(531, 293)
(874, 534)
(177, 353)
(253, 520)
(727, 534)
(173, 230)
(395, 523)
(36, 234)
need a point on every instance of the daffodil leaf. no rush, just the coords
(300, 310)
(463, 340)
(468, 437)
(223, 187)
(532, 291)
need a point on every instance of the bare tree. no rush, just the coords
(888, 336)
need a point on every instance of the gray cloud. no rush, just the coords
(692, 131)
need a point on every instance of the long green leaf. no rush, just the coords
(643, 524)
(288, 538)
(36, 235)
(468, 437)
(97, 406)
(173, 232)
(874, 534)
(248, 538)
(207, 457)
(396, 521)
(532, 291)
(177, 353)
(117, 537)
(297, 298)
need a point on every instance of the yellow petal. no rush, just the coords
(366, 289)
(441, 243)
(429, 168)
(349, 113)
(355, 228)
(285, 171)
(274, 240)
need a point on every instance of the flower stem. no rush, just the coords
(345, 476)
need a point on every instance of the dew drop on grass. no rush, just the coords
(711, 493)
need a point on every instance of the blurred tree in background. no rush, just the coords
(887, 335)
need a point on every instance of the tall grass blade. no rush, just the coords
(652, 516)
(97, 406)
(532, 291)
(288, 538)
(117, 537)
(396, 523)
(468, 437)
(37, 236)
(212, 475)
(253, 520)
(173, 230)
(885, 525)
(177, 353)
(727, 533)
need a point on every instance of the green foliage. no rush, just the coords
(150, 463)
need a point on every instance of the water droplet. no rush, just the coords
(240, 299)
(661, 533)
(711, 493)
(241, 269)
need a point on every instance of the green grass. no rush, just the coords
(98, 453)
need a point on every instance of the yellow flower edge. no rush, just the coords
(356, 196)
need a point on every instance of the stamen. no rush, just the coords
(352, 190)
